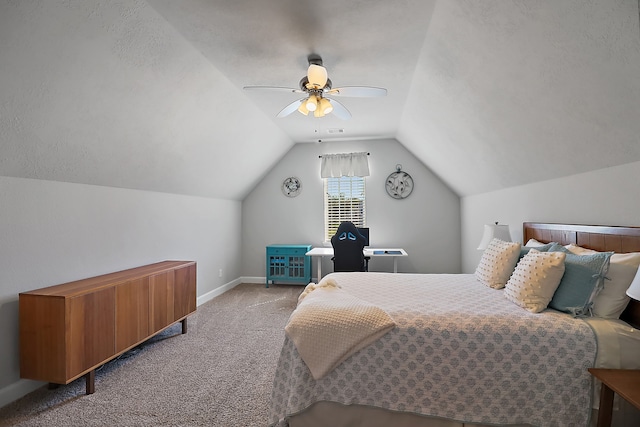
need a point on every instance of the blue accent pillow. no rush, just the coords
(544, 248)
(582, 280)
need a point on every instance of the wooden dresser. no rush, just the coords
(69, 330)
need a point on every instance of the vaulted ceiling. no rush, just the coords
(149, 94)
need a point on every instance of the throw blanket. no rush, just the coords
(329, 325)
(460, 350)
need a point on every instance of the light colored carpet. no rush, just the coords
(219, 374)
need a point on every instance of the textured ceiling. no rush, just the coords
(362, 43)
(148, 94)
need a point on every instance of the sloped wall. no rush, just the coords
(426, 224)
(501, 85)
(108, 93)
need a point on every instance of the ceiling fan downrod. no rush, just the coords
(314, 59)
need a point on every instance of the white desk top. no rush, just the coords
(368, 252)
(385, 252)
(392, 252)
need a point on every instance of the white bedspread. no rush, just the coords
(329, 325)
(460, 351)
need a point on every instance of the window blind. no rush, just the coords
(344, 200)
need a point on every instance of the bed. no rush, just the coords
(458, 352)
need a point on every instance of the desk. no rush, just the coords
(625, 382)
(370, 252)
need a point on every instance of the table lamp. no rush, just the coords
(491, 231)
(634, 287)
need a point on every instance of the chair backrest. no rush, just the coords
(348, 244)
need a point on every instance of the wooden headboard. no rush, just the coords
(596, 237)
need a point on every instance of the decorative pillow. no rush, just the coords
(497, 263)
(583, 279)
(611, 301)
(535, 280)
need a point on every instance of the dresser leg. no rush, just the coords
(184, 325)
(605, 411)
(90, 381)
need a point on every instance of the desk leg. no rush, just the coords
(395, 264)
(319, 268)
(605, 411)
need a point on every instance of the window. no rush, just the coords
(344, 200)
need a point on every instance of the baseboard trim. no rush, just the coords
(16, 390)
(258, 280)
(227, 287)
(217, 291)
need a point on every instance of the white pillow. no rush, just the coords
(535, 280)
(611, 301)
(533, 243)
(497, 263)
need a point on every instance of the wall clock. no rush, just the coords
(291, 186)
(399, 184)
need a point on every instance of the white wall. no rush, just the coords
(604, 197)
(426, 224)
(53, 232)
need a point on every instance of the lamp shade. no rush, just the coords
(634, 288)
(491, 231)
(317, 76)
(303, 108)
(325, 106)
(311, 103)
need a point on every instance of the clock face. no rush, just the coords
(399, 185)
(291, 186)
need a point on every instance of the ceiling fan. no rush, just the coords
(316, 87)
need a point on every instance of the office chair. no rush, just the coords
(348, 244)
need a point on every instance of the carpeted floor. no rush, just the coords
(219, 374)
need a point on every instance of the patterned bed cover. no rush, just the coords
(460, 351)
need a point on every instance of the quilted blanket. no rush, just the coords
(329, 325)
(459, 351)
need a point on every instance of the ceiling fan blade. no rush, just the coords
(358, 91)
(339, 110)
(290, 108)
(274, 88)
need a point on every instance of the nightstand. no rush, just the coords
(625, 382)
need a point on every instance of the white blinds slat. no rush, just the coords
(344, 201)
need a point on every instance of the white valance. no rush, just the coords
(347, 164)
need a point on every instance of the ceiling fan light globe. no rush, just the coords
(325, 106)
(318, 113)
(303, 108)
(312, 103)
(317, 76)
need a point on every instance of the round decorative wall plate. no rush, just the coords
(399, 184)
(291, 186)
